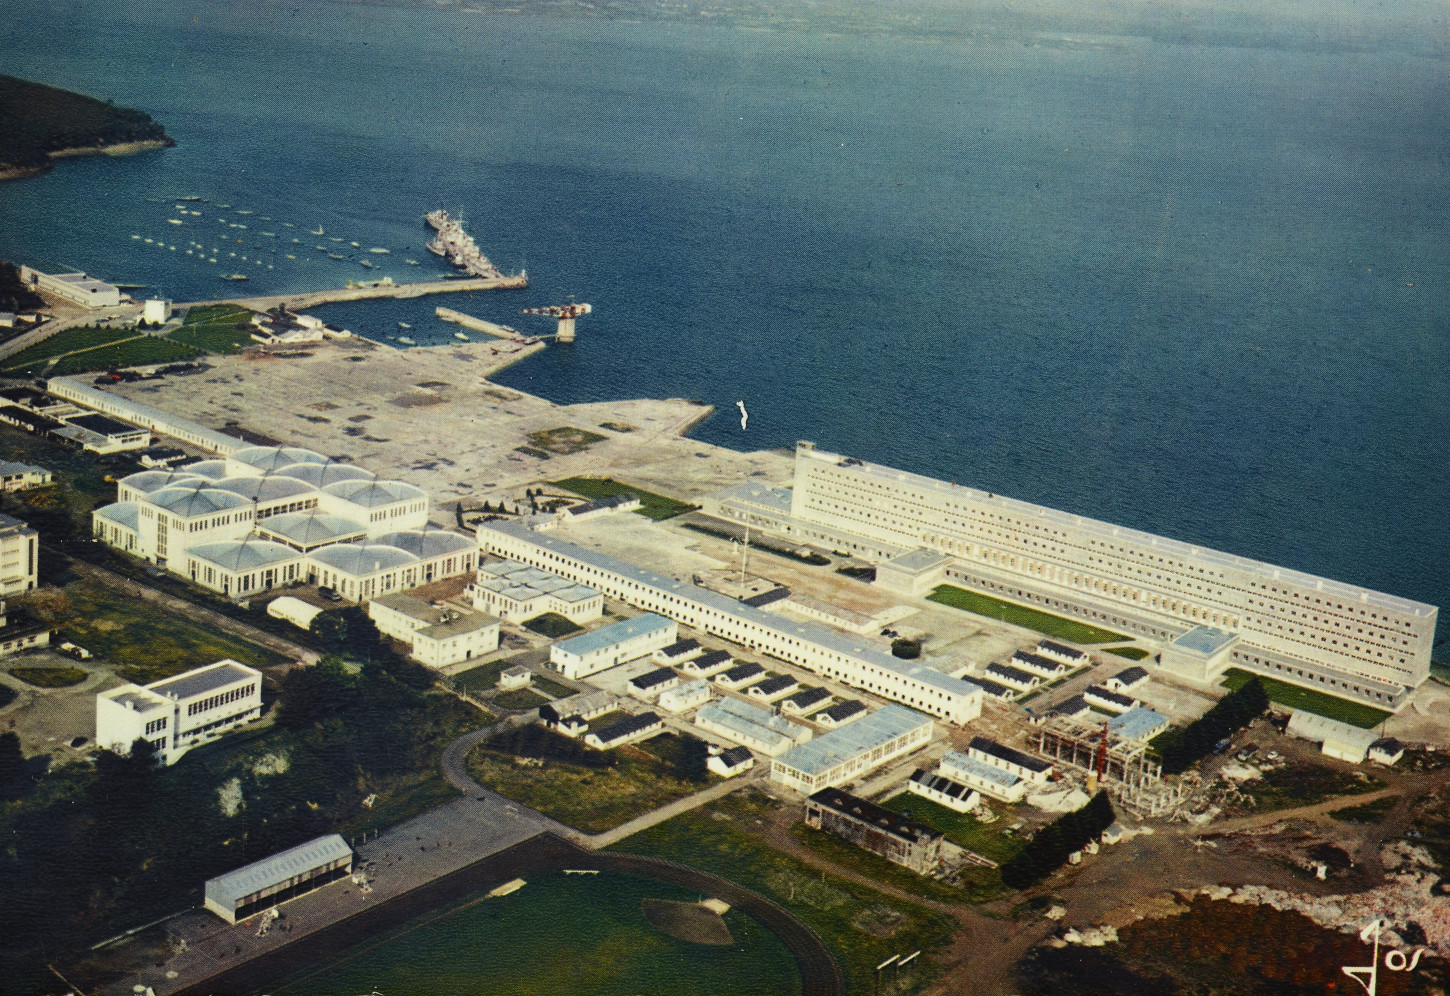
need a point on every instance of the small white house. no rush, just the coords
(943, 790)
(625, 731)
(1386, 750)
(732, 762)
(156, 311)
(516, 677)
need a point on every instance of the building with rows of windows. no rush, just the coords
(1339, 638)
(177, 714)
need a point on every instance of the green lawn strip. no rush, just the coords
(1367, 812)
(519, 698)
(67, 341)
(215, 337)
(1354, 713)
(1132, 653)
(49, 677)
(962, 829)
(552, 687)
(652, 506)
(1159, 743)
(145, 642)
(209, 314)
(861, 926)
(552, 625)
(131, 353)
(479, 679)
(1306, 785)
(586, 798)
(1020, 615)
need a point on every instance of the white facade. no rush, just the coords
(683, 698)
(293, 610)
(177, 714)
(156, 311)
(19, 556)
(15, 476)
(944, 791)
(78, 288)
(839, 756)
(517, 592)
(617, 643)
(439, 636)
(844, 658)
(1335, 632)
(82, 393)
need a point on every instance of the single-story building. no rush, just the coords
(1386, 750)
(516, 677)
(617, 643)
(651, 683)
(840, 714)
(709, 663)
(739, 675)
(1128, 679)
(679, 652)
(773, 688)
(625, 731)
(803, 701)
(1336, 739)
(272, 881)
(687, 696)
(729, 763)
(1062, 653)
(293, 610)
(943, 790)
(1106, 698)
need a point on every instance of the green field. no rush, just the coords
(140, 352)
(1285, 694)
(652, 506)
(644, 776)
(49, 677)
(1132, 653)
(216, 328)
(67, 341)
(62, 510)
(565, 439)
(144, 642)
(861, 926)
(552, 625)
(1020, 615)
(963, 829)
(519, 698)
(554, 688)
(477, 680)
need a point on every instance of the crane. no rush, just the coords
(566, 313)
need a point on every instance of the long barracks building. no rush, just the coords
(824, 651)
(1344, 640)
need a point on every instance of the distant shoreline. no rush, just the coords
(117, 149)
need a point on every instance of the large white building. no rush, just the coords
(517, 592)
(844, 657)
(19, 555)
(1338, 638)
(177, 714)
(265, 516)
(78, 288)
(438, 635)
(841, 755)
(617, 643)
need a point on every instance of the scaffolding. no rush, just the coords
(1130, 775)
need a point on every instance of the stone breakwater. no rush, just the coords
(1409, 895)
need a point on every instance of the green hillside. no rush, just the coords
(36, 120)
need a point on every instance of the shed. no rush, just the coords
(263, 884)
(294, 611)
(1336, 739)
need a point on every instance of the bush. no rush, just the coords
(1228, 715)
(907, 650)
(1047, 851)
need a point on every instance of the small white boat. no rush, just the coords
(411, 262)
(406, 341)
(404, 325)
(353, 244)
(243, 211)
(175, 221)
(319, 230)
(135, 236)
(460, 335)
(290, 256)
(381, 252)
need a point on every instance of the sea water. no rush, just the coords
(1190, 279)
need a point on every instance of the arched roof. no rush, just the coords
(190, 500)
(248, 554)
(359, 559)
(264, 488)
(426, 544)
(214, 469)
(374, 494)
(147, 481)
(267, 458)
(322, 474)
(309, 528)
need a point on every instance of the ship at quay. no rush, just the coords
(457, 246)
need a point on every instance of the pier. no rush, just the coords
(479, 325)
(369, 291)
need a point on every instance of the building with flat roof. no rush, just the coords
(686, 696)
(915, 572)
(876, 829)
(273, 881)
(176, 714)
(844, 657)
(77, 391)
(516, 592)
(1138, 723)
(19, 556)
(1339, 638)
(617, 643)
(754, 726)
(17, 476)
(102, 434)
(850, 751)
(438, 636)
(77, 288)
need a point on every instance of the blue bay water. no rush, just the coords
(1187, 286)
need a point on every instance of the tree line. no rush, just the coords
(1054, 843)
(1228, 715)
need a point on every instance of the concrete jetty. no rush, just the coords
(372, 290)
(480, 325)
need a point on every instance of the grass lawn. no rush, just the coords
(519, 698)
(80, 337)
(963, 829)
(651, 505)
(1305, 785)
(552, 625)
(220, 328)
(554, 688)
(590, 799)
(1132, 653)
(1020, 615)
(861, 926)
(479, 679)
(1354, 713)
(1368, 812)
(565, 439)
(130, 353)
(49, 677)
(143, 642)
